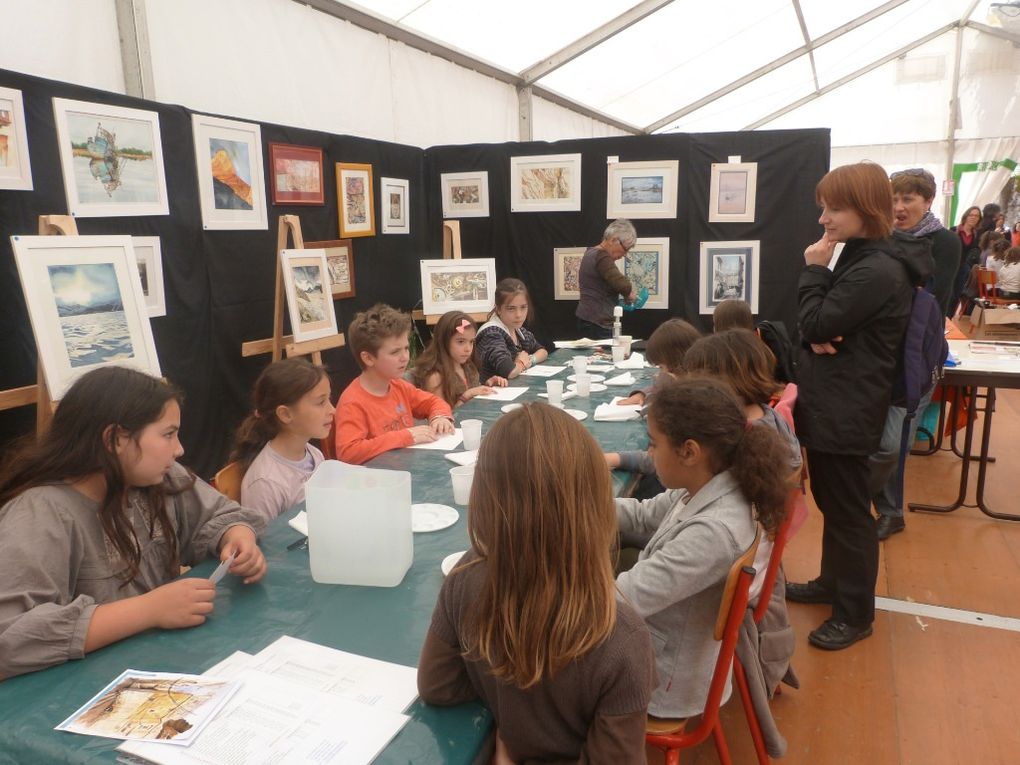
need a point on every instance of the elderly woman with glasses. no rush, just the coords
(601, 281)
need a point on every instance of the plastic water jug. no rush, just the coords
(359, 525)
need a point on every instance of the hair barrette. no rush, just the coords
(464, 324)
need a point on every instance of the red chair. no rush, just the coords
(670, 736)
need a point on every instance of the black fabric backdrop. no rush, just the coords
(219, 284)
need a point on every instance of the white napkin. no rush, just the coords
(612, 412)
(443, 443)
(623, 379)
(636, 361)
(504, 394)
(299, 523)
(543, 370)
(463, 458)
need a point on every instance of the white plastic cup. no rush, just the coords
(472, 430)
(625, 341)
(555, 390)
(583, 385)
(462, 477)
(580, 365)
(618, 351)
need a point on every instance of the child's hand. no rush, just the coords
(248, 561)
(423, 434)
(612, 459)
(497, 382)
(524, 358)
(637, 398)
(478, 390)
(181, 603)
(442, 426)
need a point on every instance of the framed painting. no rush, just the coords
(230, 173)
(309, 303)
(547, 183)
(466, 285)
(465, 195)
(296, 175)
(642, 189)
(393, 199)
(566, 267)
(732, 193)
(339, 264)
(15, 167)
(647, 266)
(354, 199)
(112, 160)
(86, 306)
(149, 257)
(729, 270)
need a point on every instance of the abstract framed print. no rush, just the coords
(642, 189)
(340, 264)
(647, 266)
(466, 285)
(354, 199)
(465, 195)
(15, 167)
(85, 302)
(295, 174)
(231, 185)
(309, 299)
(548, 183)
(393, 201)
(149, 256)
(732, 194)
(112, 160)
(566, 270)
(729, 271)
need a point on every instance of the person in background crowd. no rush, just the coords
(970, 254)
(601, 281)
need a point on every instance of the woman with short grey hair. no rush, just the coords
(601, 281)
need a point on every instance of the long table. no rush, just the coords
(384, 623)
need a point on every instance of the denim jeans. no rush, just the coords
(888, 494)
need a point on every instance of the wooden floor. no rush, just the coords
(920, 691)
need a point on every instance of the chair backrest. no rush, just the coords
(228, 481)
(793, 499)
(987, 279)
(730, 590)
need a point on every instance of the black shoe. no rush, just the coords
(888, 525)
(809, 592)
(835, 636)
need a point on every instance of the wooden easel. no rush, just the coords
(39, 394)
(451, 251)
(280, 344)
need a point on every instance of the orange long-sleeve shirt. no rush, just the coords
(368, 425)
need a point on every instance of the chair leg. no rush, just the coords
(720, 744)
(672, 757)
(752, 717)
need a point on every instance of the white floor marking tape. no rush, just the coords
(973, 618)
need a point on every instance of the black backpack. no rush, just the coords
(775, 336)
(924, 352)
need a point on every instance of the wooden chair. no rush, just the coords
(987, 283)
(228, 481)
(671, 736)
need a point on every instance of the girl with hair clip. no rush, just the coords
(292, 406)
(733, 476)
(505, 346)
(529, 621)
(447, 368)
(96, 519)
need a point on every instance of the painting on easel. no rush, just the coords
(309, 298)
(340, 262)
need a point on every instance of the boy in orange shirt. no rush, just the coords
(377, 410)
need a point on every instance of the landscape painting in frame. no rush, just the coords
(354, 199)
(340, 264)
(647, 267)
(309, 297)
(15, 167)
(566, 270)
(467, 285)
(231, 182)
(547, 183)
(465, 195)
(112, 160)
(642, 189)
(729, 271)
(296, 174)
(732, 194)
(394, 206)
(85, 302)
(149, 257)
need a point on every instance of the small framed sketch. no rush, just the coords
(394, 206)
(642, 189)
(566, 270)
(729, 270)
(354, 199)
(230, 173)
(296, 174)
(149, 256)
(466, 285)
(15, 168)
(465, 195)
(340, 264)
(732, 193)
(547, 183)
(112, 159)
(309, 303)
(647, 266)
(86, 306)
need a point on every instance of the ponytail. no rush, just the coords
(254, 433)
(761, 467)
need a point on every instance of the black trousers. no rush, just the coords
(593, 331)
(839, 483)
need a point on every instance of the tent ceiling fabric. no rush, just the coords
(677, 58)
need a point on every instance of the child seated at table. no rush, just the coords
(447, 367)
(96, 519)
(376, 412)
(505, 346)
(292, 406)
(724, 476)
(1009, 275)
(732, 314)
(528, 621)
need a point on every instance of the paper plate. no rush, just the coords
(577, 414)
(430, 517)
(299, 523)
(593, 388)
(507, 408)
(450, 561)
(592, 378)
